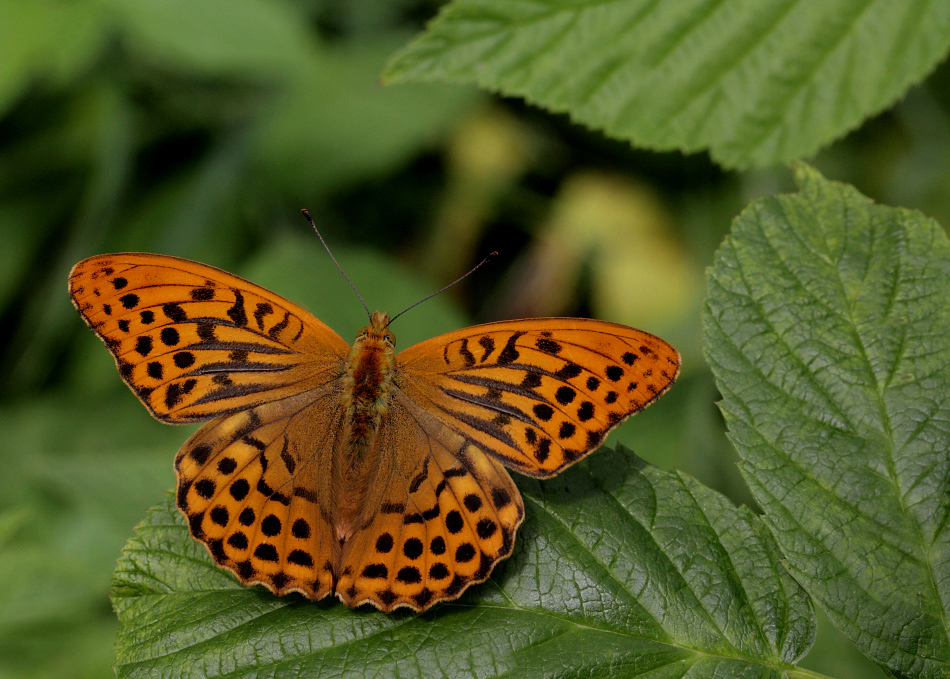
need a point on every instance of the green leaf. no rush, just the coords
(618, 569)
(754, 81)
(334, 124)
(215, 37)
(827, 328)
(45, 40)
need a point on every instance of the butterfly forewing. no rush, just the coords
(539, 394)
(194, 342)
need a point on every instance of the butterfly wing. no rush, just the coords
(538, 394)
(448, 514)
(253, 486)
(194, 342)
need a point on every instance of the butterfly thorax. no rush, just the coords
(367, 389)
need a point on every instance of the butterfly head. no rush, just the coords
(377, 331)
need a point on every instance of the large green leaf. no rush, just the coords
(754, 81)
(828, 328)
(619, 569)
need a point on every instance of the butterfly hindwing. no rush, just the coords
(194, 342)
(448, 514)
(253, 486)
(539, 394)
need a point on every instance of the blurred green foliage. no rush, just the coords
(200, 129)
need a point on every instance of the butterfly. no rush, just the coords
(357, 471)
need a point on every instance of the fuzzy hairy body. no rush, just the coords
(367, 389)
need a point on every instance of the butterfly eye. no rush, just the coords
(390, 339)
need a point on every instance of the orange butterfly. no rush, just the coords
(357, 471)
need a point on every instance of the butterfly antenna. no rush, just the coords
(437, 292)
(310, 219)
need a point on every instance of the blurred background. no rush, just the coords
(201, 129)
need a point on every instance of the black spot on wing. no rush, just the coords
(263, 308)
(206, 333)
(300, 558)
(510, 353)
(200, 453)
(266, 552)
(466, 354)
(454, 522)
(175, 392)
(488, 344)
(424, 596)
(237, 313)
(202, 294)
(169, 337)
(500, 498)
(542, 450)
(531, 381)
(300, 529)
(543, 411)
(384, 543)
(409, 575)
(174, 312)
(412, 548)
(279, 327)
(568, 371)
